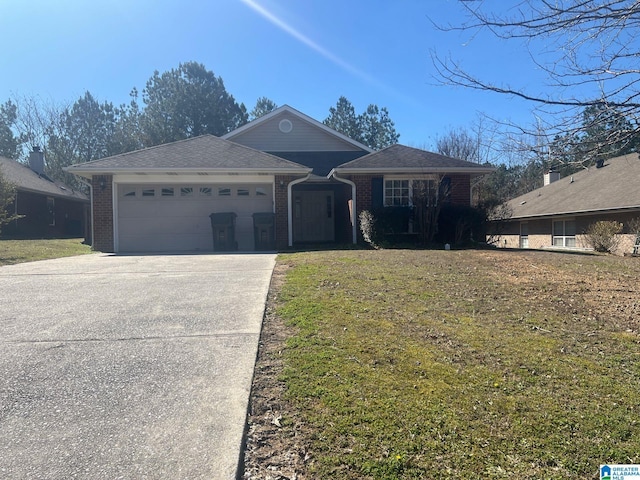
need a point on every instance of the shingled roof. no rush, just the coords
(402, 159)
(27, 180)
(615, 186)
(206, 153)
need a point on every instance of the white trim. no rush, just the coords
(114, 203)
(292, 111)
(290, 207)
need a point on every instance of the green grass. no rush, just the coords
(413, 365)
(20, 251)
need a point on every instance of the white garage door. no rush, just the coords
(173, 218)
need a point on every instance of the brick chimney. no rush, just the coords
(36, 161)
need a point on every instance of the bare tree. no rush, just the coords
(585, 47)
(459, 143)
(428, 198)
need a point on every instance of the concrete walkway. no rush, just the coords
(128, 366)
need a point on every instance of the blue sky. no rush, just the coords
(305, 53)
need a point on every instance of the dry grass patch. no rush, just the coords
(472, 364)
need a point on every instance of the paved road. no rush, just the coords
(128, 366)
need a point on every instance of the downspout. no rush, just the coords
(354, 217)
(290, 206)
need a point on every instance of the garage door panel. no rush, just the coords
(181, 223)
(156, 226)
(167, 243)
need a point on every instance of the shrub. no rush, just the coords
(368, 228)
(7, 196)
(602, 236)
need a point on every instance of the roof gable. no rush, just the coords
(206, 153)
(612, 187)
(27, 180)
(403, 159)
(288, 130)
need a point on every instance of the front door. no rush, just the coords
(313, 216)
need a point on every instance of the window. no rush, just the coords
(396, 193)
(243, 192)
(51, 211)
(186, 191)
(564, 233)
(423, 191)
(224, 192)
(167, 192)
(405, 192)
(130, 192)
(148, 192)
(524, 235)
(260, 191)
(206, 191)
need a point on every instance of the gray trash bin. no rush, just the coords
(223, 225)
(264, 233)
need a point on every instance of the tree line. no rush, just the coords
(184, 102)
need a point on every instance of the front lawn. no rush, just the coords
(460, 364)
(20, 251)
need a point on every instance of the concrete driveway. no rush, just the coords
(128, 366)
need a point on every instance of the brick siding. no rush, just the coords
(102, 213)
(460, 189)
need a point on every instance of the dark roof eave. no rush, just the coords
(66, 196)
(420, 170)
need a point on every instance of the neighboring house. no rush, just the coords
(50, 209)
(558, 214)
(282, 180)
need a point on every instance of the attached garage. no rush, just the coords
(176, 217)
(160, 199)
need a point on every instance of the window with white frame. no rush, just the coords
(396, 193)
(564, 233)
(404, 192)
(524, 235)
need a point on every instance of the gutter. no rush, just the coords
(87, 173)
(354, 217)
(577, 213)
(290, 206)
(416, 170)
